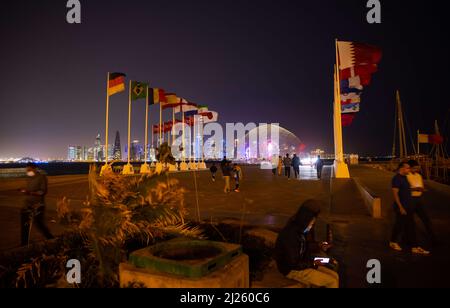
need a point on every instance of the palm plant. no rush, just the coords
(119, 208)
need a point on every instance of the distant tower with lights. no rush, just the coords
(117, 155)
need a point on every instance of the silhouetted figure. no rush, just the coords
(34, 207)
(319, 167)
(417, 189)
(404, 228)
(287, 162)
(296, 165)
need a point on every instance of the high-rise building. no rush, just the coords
(71, 153)
(117, 152)
(98, 149)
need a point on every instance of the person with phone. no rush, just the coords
(293, 252)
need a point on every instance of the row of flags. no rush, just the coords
(357, 63)
(141, 90)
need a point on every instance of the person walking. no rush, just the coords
(287, 162)
(404, 226)
(280, 165)
(274, 163)
(237, 176)
(415, 180)
(296, 165)
(319, 167)
(226, 171)
(34, 205)
(213, 170)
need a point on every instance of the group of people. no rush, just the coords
(228, 170)
(278, 163)
(408, 189)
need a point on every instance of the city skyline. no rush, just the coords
(230, 64)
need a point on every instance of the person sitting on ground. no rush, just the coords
(293, 253)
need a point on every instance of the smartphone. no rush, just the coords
(323, 260)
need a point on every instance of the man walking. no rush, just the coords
(417, 188)
(34, 207)
(296, 165)
(319, 167)
(226, 171)
(287, 162)
(404, 227)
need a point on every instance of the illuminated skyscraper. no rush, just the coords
(117, 154)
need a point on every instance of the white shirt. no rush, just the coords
(415, 181)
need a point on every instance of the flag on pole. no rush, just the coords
(138, 90)
(116, 83)
(357, 63)
(172, 101)
(209, 116)
(186, 107)
(431, 139)
(352, 54)
(350, 108)
(157, 96)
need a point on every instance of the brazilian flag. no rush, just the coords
(138, 90)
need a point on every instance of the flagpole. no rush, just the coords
(146, 129)
(183, 141)
(105, 167)
(128, 168)
(340, 167)
(160, 124)
(173, 124)
(418, 142)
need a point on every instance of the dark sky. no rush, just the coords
(251, 60)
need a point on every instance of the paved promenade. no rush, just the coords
(269, 200)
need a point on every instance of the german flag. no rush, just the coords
(116, 83)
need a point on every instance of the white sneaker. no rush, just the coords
(395, 246)
(420, 251)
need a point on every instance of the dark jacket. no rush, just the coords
(213, 169)
(36, 184)
(227, 169)
(296, 162)
(291, 248)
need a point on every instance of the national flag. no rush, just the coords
(116, 83)
(347, 119)
(363, 71)
(352, 83)
(186, 107)
(352, 54)
(202, 108)
(431, 139)
(350, 108)
(156, 96)
(172, 101)
(355, 97)
(138, 90)
(209, 117)
(190, 121)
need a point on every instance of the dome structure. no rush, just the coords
(262, 142)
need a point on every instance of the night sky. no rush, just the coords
(252, 61)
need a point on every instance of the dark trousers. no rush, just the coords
(29, 217)
(296, 171)
(319, 172)
(287, 172)
(423, 216)
(404, 231)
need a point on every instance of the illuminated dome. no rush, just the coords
(287, 143)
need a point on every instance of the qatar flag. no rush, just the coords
(353, 54)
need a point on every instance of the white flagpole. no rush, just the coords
(128, 169)
(146, 128)
(340, 168)
(106, 166)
